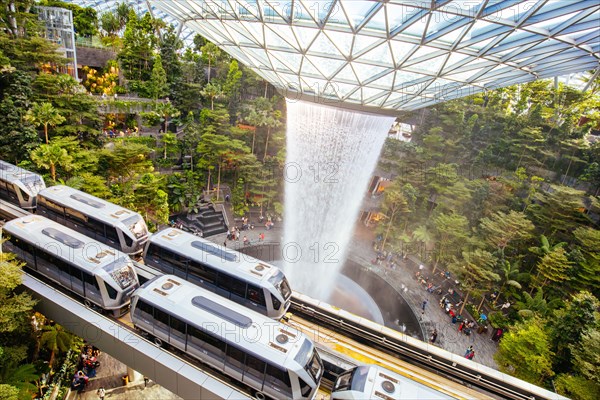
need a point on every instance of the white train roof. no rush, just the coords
(217, 256)
(257, 333)
(100, 209)
(13, 174)
(382, 381)
(65, 243)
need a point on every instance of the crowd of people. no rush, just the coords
(86, 369)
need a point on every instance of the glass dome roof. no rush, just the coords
(392, 55)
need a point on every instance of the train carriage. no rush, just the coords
(106, 222)
(273, 359)
(19, 186)
(101, 275)
(375, 382)
(233, 275)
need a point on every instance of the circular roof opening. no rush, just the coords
(388, 386)
(282, 339)
(259, 267)
(167, 286)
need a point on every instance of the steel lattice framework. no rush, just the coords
(396, 54)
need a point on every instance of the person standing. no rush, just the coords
(424, 305)
(101, 393)
(469, 350)
(471, 355)
(433, 337)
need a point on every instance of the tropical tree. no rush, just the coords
(568, 326)
(525, 352)
(394, 204)
(56, 339)
(502, 229)
(220, 150)
(509, 275)
(210, 53)
(589, 267)
(212, 91)
(166, 110)
(168, 139)
(451, 232)
(158, 81)
(475, 271)
(15, 307)
(536, 305)
(44, 114)
(554, 266)
(49, 156)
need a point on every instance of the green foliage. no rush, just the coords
(14, 307)
(524, 352)
(16, 136)
(568, 326)
(577, 387)
(157, 86)
(502, 229)
(586, 355)
(44, 114)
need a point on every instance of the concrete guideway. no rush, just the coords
(173, 373)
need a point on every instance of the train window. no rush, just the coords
(224, 281)
(255, 367)
(128, 240)
(96, 225)
(279, 379)
(25, 195)
(202, 272)
(111, 233)
(235, 358)
(238, 287)
(154, 250)
(161, 317)
(75, 215)
(90, 280)
(209, 342)
(50, 205)
(112, 292)
(256, 295)
(304, 388)
(145, 308)
(177, 325)
(276, 302)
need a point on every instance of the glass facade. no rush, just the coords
(59, 30)
(392, 55)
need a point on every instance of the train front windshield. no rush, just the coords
(123, 273)
(33, 183)
(136, 225)
(355, 379)
(280, 282)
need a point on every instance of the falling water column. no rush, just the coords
(331, 155)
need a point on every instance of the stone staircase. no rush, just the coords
(209, 221)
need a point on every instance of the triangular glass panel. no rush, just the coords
(385, 82)
(362, 42)
(343, 89)
(377, 21)
(366, 71)
(327, 66)
(432, 65)
(417, 28)
(357, 10)
(398, 14)
(309, 69)
(291, 59)
(260, 57)
(322, 45)
(304, 11)
(347, 74)
(315, 85)
(254, 30)
(290, 79)
(463, 76)
(278, 65)
(424, 51)
(404, 77)
(380, 55)
(304, 35)
(242, 35)
(273, 39)
(395, 98)
(456, 58)
(369, 93)
(343, 41)
(401, 50)
(247, 11)
(337, 20)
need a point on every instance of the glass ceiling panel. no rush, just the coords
(334, 34)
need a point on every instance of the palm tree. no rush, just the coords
(536, 305)
(168, 140)
(44, 114)
(166, 110)
(509, 274)
(49, 156)
(55, 339)
(22, 377)
(212, 91)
